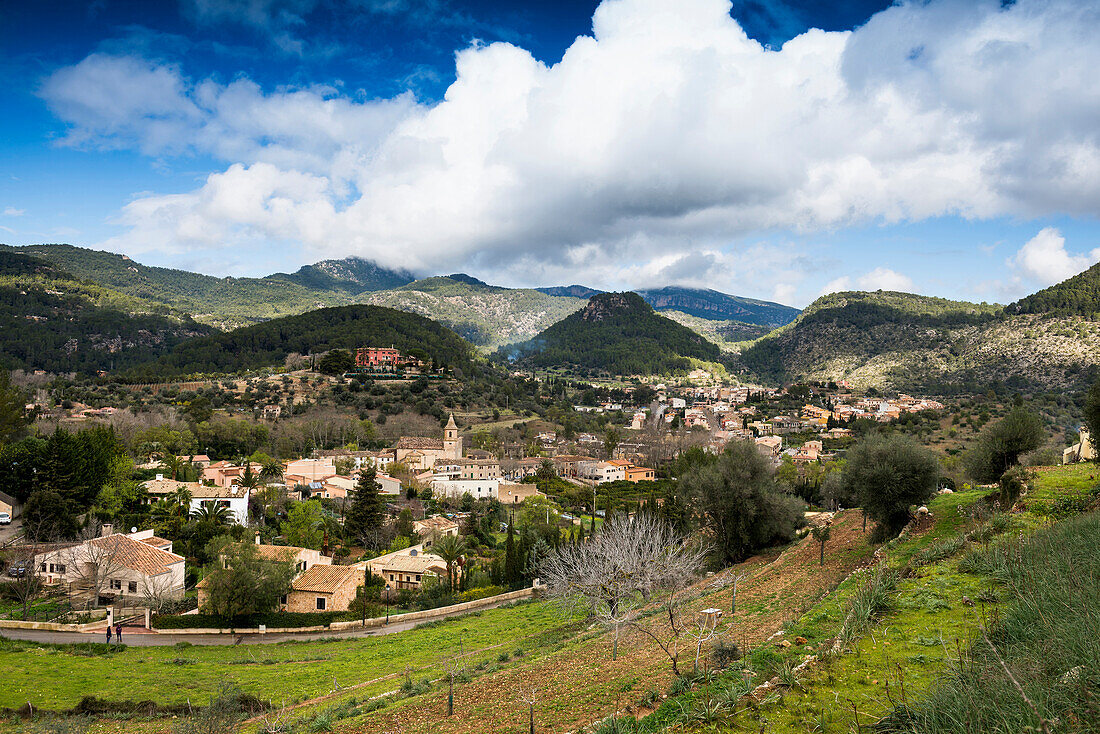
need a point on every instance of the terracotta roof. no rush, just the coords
(420, 442)
(278, 552)
(415, 564)
(326, 579)
(436, 523)
(136, 555)
(168, 486)
(157, 542)
(205, 493)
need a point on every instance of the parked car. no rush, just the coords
(5, 518)
(18, 569)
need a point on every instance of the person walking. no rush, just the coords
(108, 634)
(118, 633)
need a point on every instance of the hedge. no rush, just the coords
(272, 620)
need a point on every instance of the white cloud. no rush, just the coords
(878, 279)
(666, 134)
(885, 279)
(1044, 261)
(837, 285)
(11, 211)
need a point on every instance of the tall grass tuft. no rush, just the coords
(875, 597)
(1036, 668)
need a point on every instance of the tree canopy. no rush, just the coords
(888, 474)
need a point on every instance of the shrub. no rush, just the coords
(873, 598)
(725, 654)
(481, 592)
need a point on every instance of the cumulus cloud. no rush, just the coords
(878, 279)
(885, 279)
(1043, 260)
(665, 133)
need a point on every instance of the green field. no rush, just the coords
(57, 677)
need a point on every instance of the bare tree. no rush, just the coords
(159, 592)
(529, 696)
(621, 568)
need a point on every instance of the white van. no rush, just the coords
(5, 518)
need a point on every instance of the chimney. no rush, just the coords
(108, 529)
(257, 537)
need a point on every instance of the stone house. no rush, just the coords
(324, 589)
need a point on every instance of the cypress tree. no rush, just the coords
(512, 571)
(367, 513)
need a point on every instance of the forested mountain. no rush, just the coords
(223, 302)
(702, 303)
(728, 334)
(708, 304)
(352, 275)
(910, 342)
(52, 321)
(618, 333)
(573, 291)
(342, 327)
(488, 316)
(1077, 296)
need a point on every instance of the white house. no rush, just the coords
(234, 498)
(139, 566)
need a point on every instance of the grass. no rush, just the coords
(57, 677)
(1035, 670)
(1061, 490)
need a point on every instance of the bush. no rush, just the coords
(725, 654)
(873, 598)
(482, 592)
(271, 620)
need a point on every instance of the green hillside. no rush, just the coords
(1077, 296)
(52, 321)
(487, 316)
(342, 327)
(910, 342)
(222, 302)
(709, 304)
(617, 333)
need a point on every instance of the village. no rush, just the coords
(439, 489)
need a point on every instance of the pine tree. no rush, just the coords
(366, 515)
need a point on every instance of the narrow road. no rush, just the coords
(139, 637)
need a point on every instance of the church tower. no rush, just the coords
(452, 443)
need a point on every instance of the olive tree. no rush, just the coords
(888, 474)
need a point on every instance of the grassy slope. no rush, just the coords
(906, 654)
(912, 342)
(289, 671)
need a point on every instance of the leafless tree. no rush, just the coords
(93, 562)
(621, 568)
(529, 696)
(159, 592)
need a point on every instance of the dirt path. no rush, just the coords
(580, 683)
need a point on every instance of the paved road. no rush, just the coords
(138, 637)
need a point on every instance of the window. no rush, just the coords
(391, 577)
(282, 599)
(43, 569)
(131, 586)
(61, 568)
(417, 577)
(52, 567)
(116, 584)
(320, 603)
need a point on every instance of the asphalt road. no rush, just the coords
(138, 637)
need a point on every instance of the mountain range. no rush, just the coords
(64, 308)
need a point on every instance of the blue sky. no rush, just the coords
(770, 149)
